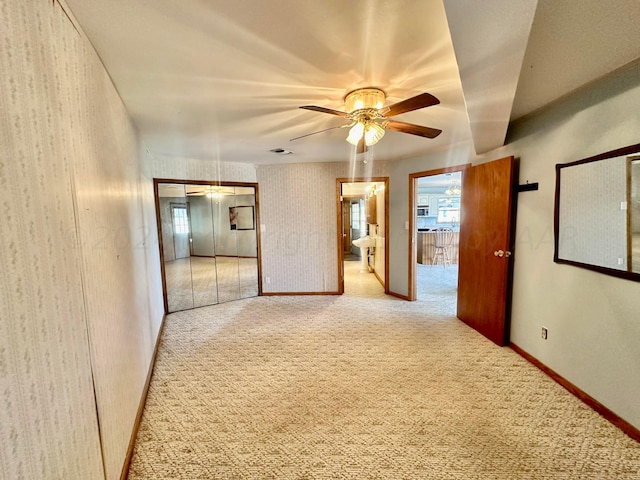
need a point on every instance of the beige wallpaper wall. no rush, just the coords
(79, 287)
(159, 166)
(298, 211)
(379, 259)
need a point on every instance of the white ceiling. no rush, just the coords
(223, 80)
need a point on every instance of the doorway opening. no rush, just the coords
(362, 207)
(434, 231)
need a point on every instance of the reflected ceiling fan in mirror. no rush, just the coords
(210, 191)
(369, 117)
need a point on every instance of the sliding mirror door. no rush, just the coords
(175, 238)
(209, 240)
(245, 213)
(226, 241)
(203, 250)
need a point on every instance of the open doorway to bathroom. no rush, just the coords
(434, 233)
(362, 220)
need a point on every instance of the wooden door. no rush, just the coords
(355, 230)
(346, 226)
(485, 248)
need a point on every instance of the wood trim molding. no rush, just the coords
(379, 279)
(339, 237)
(398, 295)
(258, 235)
(143, 400)
(339, 182)
(156, 198)
(287, 294)
(622, 424)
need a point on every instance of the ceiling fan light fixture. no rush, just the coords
(369, 117)
(372, 133)
(355, 133)
(364, 98)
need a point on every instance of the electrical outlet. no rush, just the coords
(267, 279)
(544, 333)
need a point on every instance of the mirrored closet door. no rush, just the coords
(208, 242)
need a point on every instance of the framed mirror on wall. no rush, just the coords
(597, 213)
(209, 243)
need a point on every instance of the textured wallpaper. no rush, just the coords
(79, 287)
(159, 166)
(298, 211)
(593, 228)
(379, 263)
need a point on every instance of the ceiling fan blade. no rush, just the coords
(413, 129)
(325, 110)
(361, 148)
(320, 131)
(414, 103)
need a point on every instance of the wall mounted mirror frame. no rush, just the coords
(209, 243)
(597, 213)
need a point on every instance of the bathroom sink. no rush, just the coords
(365, 242)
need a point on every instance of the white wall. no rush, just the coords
(79, 285)
(298, 210)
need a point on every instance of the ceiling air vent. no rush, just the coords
(281, 151)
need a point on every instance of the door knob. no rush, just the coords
(502, 253)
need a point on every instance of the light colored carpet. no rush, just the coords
(361, 386)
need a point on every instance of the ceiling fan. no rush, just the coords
(369, 117)
(211, 191)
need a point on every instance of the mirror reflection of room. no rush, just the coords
(209, 243)
(599, 213)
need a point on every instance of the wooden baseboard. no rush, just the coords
(398, 295)
(622, 424)
(379, 279)
(143, 399)
(286, 294)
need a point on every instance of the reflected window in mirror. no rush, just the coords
(597, 213)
